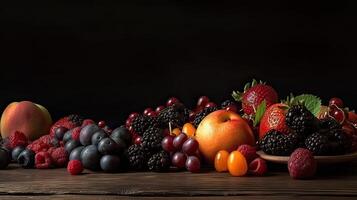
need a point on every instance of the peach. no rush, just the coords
(32, 119)
(222, 130)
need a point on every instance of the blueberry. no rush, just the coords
(55, 142)
(26, 159)
(90, 157)
(98, 136)
(4, 158)
(85, 136)
(16, 152)
(121, 133)
(76, 153)
(60, 131)
(110, 163)
(108, 146)
(70, 145)
(67, 136)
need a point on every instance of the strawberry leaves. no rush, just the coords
(259, 113)
(311, 102)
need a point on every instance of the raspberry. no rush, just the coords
(74, 167)
(87, 122)
(249, 152)
(38, 146)
(50, 150)
(258, 167)
(302, 164)
(17, 138)
(59, 157)
(45, 139)
(43, 160)
(75, 133)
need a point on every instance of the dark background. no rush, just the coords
(107, 59)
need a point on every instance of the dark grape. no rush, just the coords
(179, 160)
(190, 146)
(179, 140)
(167, 144)
(193, 164)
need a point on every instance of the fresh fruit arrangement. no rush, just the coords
(174, 137)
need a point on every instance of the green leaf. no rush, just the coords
(237, 96)
(259, 113)
(311, 102)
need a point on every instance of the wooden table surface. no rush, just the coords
(330, 183)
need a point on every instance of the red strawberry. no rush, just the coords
(69, 122)
(274, 118)
(253, 95)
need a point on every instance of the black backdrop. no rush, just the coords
(104, 59)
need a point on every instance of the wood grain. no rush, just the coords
(338, 182)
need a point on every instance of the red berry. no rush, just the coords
(43, 160)
(232, 108)
(101, 124)
(258, 167)
(336, 101)
(75, 133)
(192, 116)
(59, 157)
(202, 101)
(75, 167)
(249, 152)
(147, 110)
(172, 101)
(210, 104)
(337, 113)
(302, 164)
(87, 122)
(137, 140)
(152, 114)
(17, 138)
(159, 109)
(133, 115)
(128, 122)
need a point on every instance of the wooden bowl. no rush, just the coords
(320, 159)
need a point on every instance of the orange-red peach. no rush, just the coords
(32, 119)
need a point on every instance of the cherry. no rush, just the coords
(203, 101)
(159, 109)
(147, 110)
(192, 116)
(172, 101)
(128, 122)
(137, 140)
(210, 104)
(232, 108)
(336, 101)
(133, 115)
(339, 115)
(152, 114)
(101, 124)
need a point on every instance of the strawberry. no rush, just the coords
(254, 94)
(274, 118)
(70, 122)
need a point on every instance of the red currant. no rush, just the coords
(101, 124)
(172, 101)
(192, 116)
(339, 115)
(152, 114)
(147, 110)
(203, 101)
(232, 108)
(159, 109)
(336, 101)
(137, 140)
(210, 104)
(128, 122)
(133, 115)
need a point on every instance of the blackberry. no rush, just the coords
(318, 144)
(340, 142)
(328, 124)
(137, 157)
(186, 114)
(227, 103)
(152, 138)
(174, 114)
(202, 114)
(276, 143)
(159, 162)
(76, 119)
(301, 120)
(141, 123)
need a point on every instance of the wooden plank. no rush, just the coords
(17, 181)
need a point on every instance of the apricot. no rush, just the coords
(220, 161)
(176, 131)
(32, 119)
(189, 129)
(237, 164)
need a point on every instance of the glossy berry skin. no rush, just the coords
(338, 114)
(67, 136)
(16, 152)
(193, 164)
(133, 115)
(110, 163)
(107, 146)
(253, 97)
(60, 131)
(74, 167)
(237, 164)
(159, 109)
(179, 140)
(203, 101)
(101, 124)
(76, 153)
(121, 133)
(220, 161)
(336, 101)
(85, 136)
(128, 122)
(138, 140)
(210, 105)
(152, 114)
(90, 157)
(190, 146)
(179, 160)
(26, 159)
(98, 136)
(4, 158)
(147, 111)
(232, 108)
(167, 143)
(172, 101)
(70, 145)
